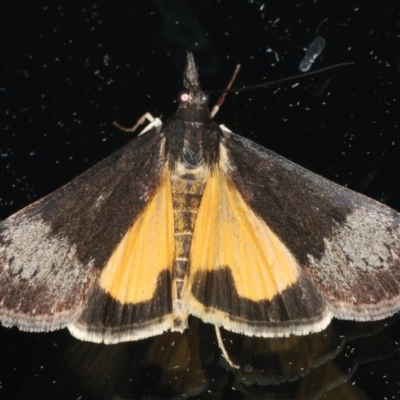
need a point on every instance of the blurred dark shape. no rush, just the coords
(181, 27)
(321, 84)
(190, 365)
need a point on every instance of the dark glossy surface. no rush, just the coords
(67, 72)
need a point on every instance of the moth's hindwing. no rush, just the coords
(242, 275)
(132, 298)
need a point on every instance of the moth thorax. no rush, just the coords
(192, 155)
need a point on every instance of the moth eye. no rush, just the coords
(205, 98)
(183, 96)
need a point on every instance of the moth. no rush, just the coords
(191, 219)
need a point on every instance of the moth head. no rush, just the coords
(193, 93)
(193, 96)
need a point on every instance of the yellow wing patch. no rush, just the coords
(228, 234)
(146, 250)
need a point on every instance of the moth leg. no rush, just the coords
(222, 347)
(154, 122)
(224, 128)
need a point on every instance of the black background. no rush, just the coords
(68, 72)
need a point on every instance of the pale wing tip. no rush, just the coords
(265, 329)
(366, 312)
(116, 335)
(36, 323)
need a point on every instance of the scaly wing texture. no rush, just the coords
(346, 243)
(242, 276)
(132, 299)
(53, 252)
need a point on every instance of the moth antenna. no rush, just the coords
(290, 78)
(177, 66)
(183, 74)
(221, 99)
